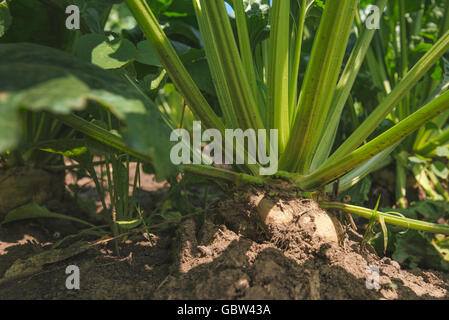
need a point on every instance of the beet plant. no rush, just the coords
(316, 97)
(258, 88)
(263, 81)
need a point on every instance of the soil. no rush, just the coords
(21, 185)
(226, 253)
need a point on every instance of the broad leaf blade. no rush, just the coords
(59, 82)
(101, 51)
(34, 211)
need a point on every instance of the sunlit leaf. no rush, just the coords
(99, 50)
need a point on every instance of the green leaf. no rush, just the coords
(174, 10)
(99, 50)
(442, 152)
(172, 215)
(154, 81)
(417, 160)
(5, 17)
(440, 169)
(71, 148)
(36, 22)
(359, 193)
(423, 47)
(41, 78)
(60, 94)
(415, 250)
(200, 72)
(384, 231)
(372, 222)
(146, 54)
(128, 225)
(34, 211)
(9, 126)
(120, 19)
(258, 22)
(179, 30)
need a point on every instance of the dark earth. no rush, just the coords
(222, 254)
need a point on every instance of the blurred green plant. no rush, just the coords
(413, 248)
(407, 31)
